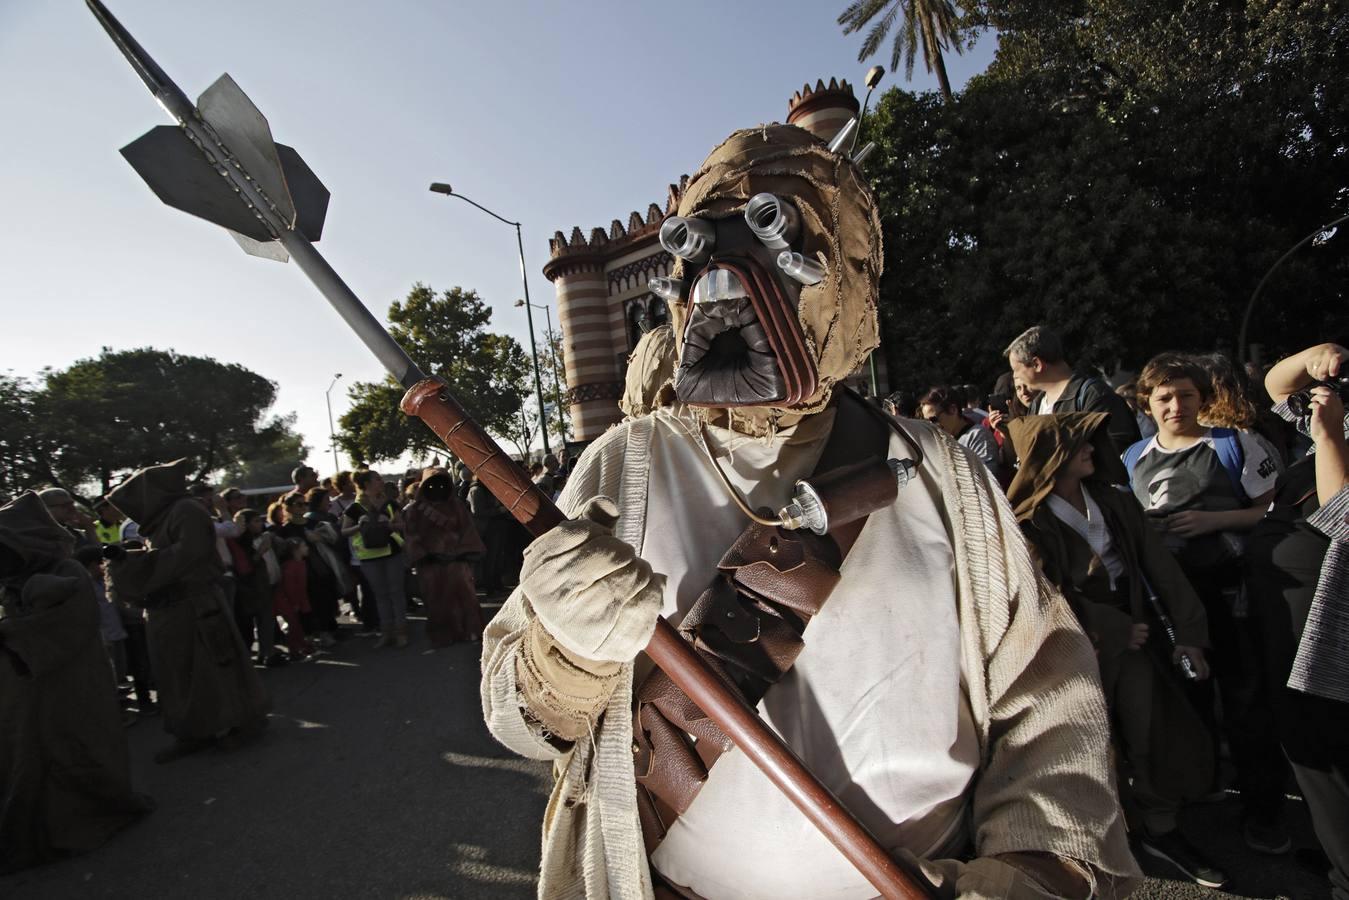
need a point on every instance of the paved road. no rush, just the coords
(377, 779)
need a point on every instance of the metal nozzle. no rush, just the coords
(666, 288)
(806, 510)
(806, 271)
(690, 239)
(773, 220)
(861, 155)
(903, 469)
(843, 137)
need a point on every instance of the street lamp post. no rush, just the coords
(332, 439)
(557, 380)
(442, 188)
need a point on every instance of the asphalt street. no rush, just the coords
(377, 779)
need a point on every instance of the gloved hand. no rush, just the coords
(595, 596)
(991, 878)
(114, 552)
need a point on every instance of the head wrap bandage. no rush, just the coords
(834, 321)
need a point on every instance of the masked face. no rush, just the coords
(773, 293)
(742, 343)
(437, 488)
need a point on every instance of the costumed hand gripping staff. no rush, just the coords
(945, 697)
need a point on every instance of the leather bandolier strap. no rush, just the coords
(748, 625)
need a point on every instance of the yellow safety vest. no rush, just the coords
(107, 534)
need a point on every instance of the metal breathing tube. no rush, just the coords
(686, 238)
(797, 266)
(666, 288)
(774, 221)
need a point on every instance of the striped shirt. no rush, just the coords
(1321, 666)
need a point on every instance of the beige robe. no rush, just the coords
(1044, 782)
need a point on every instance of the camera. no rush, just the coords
(1300, 403)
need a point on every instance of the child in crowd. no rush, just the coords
(290, 595)
(1205, 488)
(253, 591)
(1095, 544)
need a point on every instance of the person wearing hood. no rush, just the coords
(65, 774)
(944, 693)
(442, 544)
(1094, 543)
(208, 691)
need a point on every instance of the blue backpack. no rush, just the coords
(1230, 454)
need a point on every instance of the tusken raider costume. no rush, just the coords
(887, 620)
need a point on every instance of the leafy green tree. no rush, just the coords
(107, 415)
(934, 23)
(25, 450)
(274, 454)
(447, 335)
(553, 367)
(1125, 173)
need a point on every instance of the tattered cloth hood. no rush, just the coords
(147, 495)
(29, 531)
(651, 368)
(840, 228)
(1045, 443)
(440, 482)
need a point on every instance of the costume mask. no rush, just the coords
(773, 294)
(436, 487)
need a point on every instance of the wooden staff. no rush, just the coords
(430, 401)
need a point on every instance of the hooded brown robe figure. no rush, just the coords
(207, 686)
(65, 779)
(1165, 746)
(442, 543)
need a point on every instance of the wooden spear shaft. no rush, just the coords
(431, 402)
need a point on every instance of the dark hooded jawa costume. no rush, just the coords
(207, 686)
(442, 543)
(944, 694)
(1165, 746)
(65, 779)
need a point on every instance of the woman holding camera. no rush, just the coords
(1299, 577)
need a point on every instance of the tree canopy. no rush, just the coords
(102, 417)
(1125, 172)
(447, 335)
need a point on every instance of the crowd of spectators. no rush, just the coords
(1193, 516)
(1188, 515)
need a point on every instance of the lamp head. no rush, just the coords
(873, 78)
(519, 303)
(440, 187)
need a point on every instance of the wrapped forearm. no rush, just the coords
(564, 693)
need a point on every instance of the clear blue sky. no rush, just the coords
(554, 114)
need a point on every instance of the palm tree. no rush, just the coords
(934, 20)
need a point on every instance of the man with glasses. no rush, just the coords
(939, 407)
